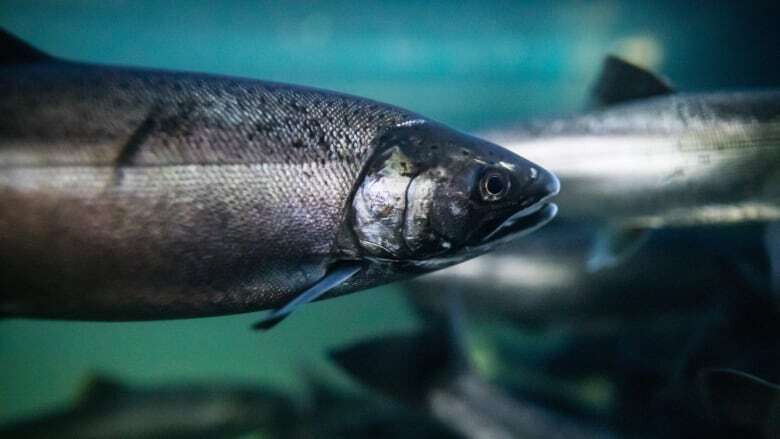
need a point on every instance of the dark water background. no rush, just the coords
(469, 64)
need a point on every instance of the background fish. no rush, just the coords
(545, 279)
(646, 156)
(111, 409)
(653, 156)
(735, 397)
(140, 194)
(329, 411)
(433, 369)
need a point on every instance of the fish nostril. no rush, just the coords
(541, 188)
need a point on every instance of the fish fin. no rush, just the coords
(772, 243)
(15, 51)
(335, 277)
(614, 245)
(447, 320)
(453, 328)
(100, 388)
(621, 81)
(320, 391)
(407, 366)
(403, 366)
(736, 397)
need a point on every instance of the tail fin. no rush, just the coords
(15, 51)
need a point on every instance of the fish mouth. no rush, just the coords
(529, 219)
(522, 222)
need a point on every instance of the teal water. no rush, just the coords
(471, 65)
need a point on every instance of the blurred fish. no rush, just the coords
(741, 337)
(544, 279)
(646, 157)
(657, 365)
(145, 194)
(736, 397)
(431, 369)
(773, 250)
(690, 298)
(331, 412)
(110, 409)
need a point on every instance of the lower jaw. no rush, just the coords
(511, 229)
(527, 222)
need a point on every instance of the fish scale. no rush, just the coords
(194, 149)
(253, 121)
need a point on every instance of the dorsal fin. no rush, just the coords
(408, 366)
(621, 81)
(15, 51)
(100, 388)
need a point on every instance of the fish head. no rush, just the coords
(432, 196)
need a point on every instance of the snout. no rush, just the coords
(545, 186)
(541, 186)
(530, 211)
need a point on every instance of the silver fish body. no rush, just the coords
(138, 194)
(677, 159)
(215, 196)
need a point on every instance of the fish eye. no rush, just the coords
(494, 185)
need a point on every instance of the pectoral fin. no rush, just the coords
(614, 245)
(100, 389)
(335, 277)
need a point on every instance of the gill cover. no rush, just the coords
(391, 209)
(379, 204)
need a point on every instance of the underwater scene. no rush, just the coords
(332, 219)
